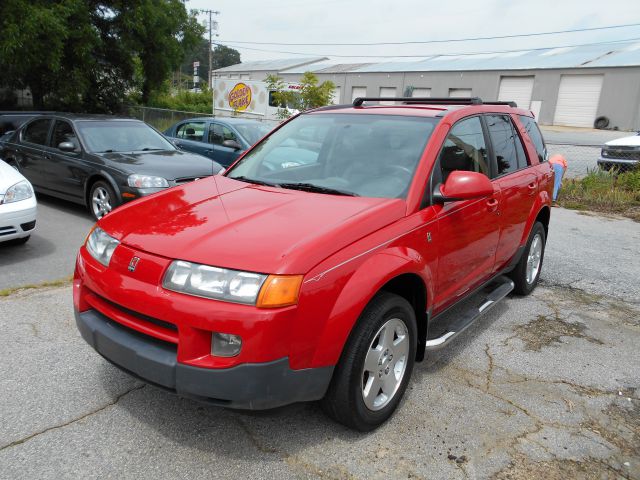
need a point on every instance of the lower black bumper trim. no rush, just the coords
(253, 386)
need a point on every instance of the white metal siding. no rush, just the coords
(578, 99)
(421, 92)
(459, 92)
(387, 92)
(516, 89)
(358, 92)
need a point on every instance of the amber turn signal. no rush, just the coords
(279, 291)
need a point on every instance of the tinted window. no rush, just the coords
(465, 149)
(63, 132)
(533, 131)
(504, 146)
(191, 131)
(523, 161)
(219, 133)
(252, 132)
(37, 131)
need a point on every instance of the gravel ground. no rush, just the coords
(542, 387)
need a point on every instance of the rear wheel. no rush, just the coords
(102, 199)
(375, 366)
(526, 274)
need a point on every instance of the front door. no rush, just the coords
(192, 137)
(468, 230)
(65, 171)
(31, 151)
(222, 154)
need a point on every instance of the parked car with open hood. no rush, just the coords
(100, 161)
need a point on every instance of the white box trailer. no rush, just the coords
(246, 98)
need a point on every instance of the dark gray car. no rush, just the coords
(99, 161)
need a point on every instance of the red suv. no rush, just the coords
(317, 265)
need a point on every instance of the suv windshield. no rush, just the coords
(365, 155)
(120, 136)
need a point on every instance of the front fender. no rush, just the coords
(356, 291)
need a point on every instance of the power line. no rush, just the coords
(225, 44)
(470, 39)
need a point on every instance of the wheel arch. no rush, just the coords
(96, 177)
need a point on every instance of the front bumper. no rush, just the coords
(609, 162)
(17, 219)
(253, 386)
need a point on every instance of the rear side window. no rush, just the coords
(502, 136)
(465, 149)
(219, 133)
(191, 131)
(533, 131)
(37, 132)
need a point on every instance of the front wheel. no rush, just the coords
(102, 199)
(375, 366)
(527, 272)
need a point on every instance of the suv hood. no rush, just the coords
(228, 223)
(170, 164)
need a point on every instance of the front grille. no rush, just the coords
(28, 226)
(622, 153)
(141, 316)
(7, 231)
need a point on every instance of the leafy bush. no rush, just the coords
(201, 102)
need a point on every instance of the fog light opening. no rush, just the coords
(225, 344)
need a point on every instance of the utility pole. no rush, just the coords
(212, 25)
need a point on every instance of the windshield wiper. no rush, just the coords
(148, 149)
(257, 182)
(310, 187)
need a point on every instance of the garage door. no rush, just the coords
(358, 92)
(516, 89)
(421, 92)
(578, 99)
(387, 92)
(459, 92)
(335, 96)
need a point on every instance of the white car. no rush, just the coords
(17, 206)
(621, 153)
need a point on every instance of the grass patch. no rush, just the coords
(55, 283)
(601, 191)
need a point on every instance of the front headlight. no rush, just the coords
(101, 245)
(213, 282)
(146, 181)
(20, 191)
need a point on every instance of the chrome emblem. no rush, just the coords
(133, 264)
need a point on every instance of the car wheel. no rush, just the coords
(375, 366)
(527, 272)
(102, 199)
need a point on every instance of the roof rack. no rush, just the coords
(430, 100)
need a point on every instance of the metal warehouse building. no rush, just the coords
(570, 86)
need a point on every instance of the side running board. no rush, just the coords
(503, 288)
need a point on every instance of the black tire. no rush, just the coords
(523, 285)
(601, 123)
(344, 400)
(97, 188)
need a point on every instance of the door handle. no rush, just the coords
(492, 204)
(532, 188)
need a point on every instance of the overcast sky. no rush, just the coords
(350, 21)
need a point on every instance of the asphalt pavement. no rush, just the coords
(542, 387)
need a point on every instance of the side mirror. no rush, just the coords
(67, 147)
(463, 185)
(232, 144)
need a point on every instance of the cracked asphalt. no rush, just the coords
(545, 386)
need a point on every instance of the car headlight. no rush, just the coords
(20, 191)
(101, 245)
(146, 181)
(267, 291)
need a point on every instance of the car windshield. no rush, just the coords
(366, 155)
(252, 132)
(121, 136)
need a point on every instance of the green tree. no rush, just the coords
(311, 95)
(222, 57)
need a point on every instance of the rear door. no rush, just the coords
(31, 144)
(192, 137)
(468, 230)
(518, 183)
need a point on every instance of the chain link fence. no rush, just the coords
(161, 118)
(583, 158)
